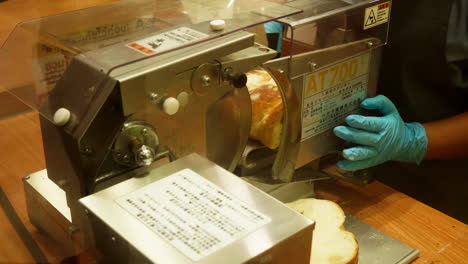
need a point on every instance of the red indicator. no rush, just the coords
(384, 5)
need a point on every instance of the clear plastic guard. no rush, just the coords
(317, 9)
(37, 52)
(329, 23)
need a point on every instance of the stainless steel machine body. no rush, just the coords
(108, 146)
(271, 232)
(140, 85)
(117, 105)
(331, 62)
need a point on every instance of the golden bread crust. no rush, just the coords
(267, 108)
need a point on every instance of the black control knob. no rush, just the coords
(238, 80)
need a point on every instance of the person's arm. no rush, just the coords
(447, 138)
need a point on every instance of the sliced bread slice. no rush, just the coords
(331, 243)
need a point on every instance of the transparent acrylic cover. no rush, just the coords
(37, 52)
(317, 9)
(329, 23)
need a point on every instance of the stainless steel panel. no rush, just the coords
(64, 167)
(247, 59)
(377, 247)
(48, 211)
(286, 192)
(294, 153)
(211, 103)
(141, 78)
(50, 191)
(326, 142)
(231, 115)
(275, 242)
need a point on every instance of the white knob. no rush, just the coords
(170, 106)
(218, 24)
(61, 116)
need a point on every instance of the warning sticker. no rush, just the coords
(192, 214)
(376, 15)
(167, 40)
(332, 93)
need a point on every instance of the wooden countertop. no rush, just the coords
(440, 238)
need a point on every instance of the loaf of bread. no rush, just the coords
(267, 108)
(331, 243)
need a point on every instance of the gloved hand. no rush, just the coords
(381, 138)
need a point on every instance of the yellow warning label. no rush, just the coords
(376, 15)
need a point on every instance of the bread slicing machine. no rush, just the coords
(145, 116)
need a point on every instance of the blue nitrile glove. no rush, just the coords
(275, 27)
(382, 138)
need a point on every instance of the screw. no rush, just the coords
(126, 158)
(153, 97)
(205, 80)
(113, 238)
(370, 44)
(312, 66)
(144, 131)
(86, 211)
(88, 151)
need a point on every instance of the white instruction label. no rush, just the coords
(376, 15)
(167, 40)
(332, 93)
(192, 214)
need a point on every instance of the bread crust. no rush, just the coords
(302, 205)
(354, 260)
(267, 108)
